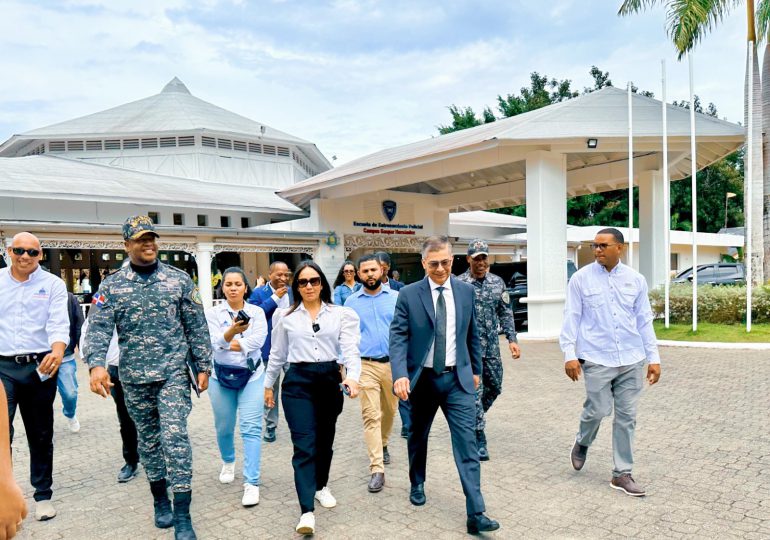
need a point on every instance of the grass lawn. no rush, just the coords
(760, 333)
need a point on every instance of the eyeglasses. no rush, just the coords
(348, 271)
(313, 281)
(601, 247)
(21, 251)
(433, 265)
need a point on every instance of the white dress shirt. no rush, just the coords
(293, 339)
(219, 319)
(113, 352)
(451, 325)
(33, 313)
(607, 318)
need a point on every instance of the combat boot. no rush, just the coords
(481, 443)
(164, 517)
(183, 529)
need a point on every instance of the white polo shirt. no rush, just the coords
(33, 313)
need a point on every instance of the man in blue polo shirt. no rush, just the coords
(375, 305)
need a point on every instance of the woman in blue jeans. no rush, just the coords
(236, 387)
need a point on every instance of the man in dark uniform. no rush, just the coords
(159, 318)
(493, 311)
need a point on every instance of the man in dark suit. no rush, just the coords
(436, 360)
(276, 293)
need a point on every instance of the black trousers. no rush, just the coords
(431, 392)
(34, 400)
(312, 401)
(127, 426)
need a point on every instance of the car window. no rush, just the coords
(728, 271)
(706, 273)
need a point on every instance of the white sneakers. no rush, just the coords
(74, 424)
(325, 498)
(228, 473)
(306, 523)
(44, 510)
(250, 495)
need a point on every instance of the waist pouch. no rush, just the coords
(234, 377)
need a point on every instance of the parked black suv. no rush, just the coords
(715, 274)
(517, 289)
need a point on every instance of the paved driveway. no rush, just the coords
(702, 451)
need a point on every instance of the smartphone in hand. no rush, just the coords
(345, 389)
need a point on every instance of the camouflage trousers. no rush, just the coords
(160, 410)
(490, 387)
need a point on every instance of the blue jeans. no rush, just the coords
(67, 382)
(248, 403)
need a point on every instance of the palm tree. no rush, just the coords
(687, 21)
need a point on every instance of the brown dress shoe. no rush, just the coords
(626, 484)
(376, 482)
(578, 456)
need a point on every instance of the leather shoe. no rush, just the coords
(269, 435)
(417, 495)
(478, 523)
(404, 432)
(385, 455)
(578, 456)
(128, 472)
(376, 482)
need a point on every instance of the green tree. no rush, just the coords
(688, 21)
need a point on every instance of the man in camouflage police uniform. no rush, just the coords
(493, 310)
(159, 318)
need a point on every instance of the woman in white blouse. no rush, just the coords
(236, 384)
(311, 336)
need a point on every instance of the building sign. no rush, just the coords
(374, 227)
(389, 209)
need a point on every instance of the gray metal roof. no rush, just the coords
(58, 178)
(602, 115)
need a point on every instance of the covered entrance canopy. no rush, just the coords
(541, 158)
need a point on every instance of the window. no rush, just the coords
(675, 262)
(154, 217)
(178, 219)
(244, 223)
(224, 221)
(203, 220)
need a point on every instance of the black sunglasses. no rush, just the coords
(314, 281)
(21, 251)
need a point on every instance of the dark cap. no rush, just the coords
(137, 226)
(478, 247)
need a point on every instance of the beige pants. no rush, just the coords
(378, 408)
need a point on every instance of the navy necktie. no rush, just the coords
(439, 346)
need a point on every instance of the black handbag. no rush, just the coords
(234, 377)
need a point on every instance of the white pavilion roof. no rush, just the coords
(59, 178)
(486, 155)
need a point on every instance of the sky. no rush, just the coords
(352, 76)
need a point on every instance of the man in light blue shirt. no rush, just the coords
(608, 331)
(375, 304)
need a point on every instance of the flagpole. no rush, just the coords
(630, 178)
(666, 199)
(694, 185)
(748, 179)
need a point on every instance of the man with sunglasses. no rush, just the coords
(34, 332)
(608, 335)
(158, 314)
(493, 310)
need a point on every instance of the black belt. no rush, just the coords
(447, 369)
(381, 360)
(25, 358)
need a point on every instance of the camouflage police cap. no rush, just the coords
(137, 226)
(478, 247)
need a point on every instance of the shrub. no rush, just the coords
(720, 305)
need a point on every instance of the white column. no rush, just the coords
(546, 187)
(203, 260)
(652, 238)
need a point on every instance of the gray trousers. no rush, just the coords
(606, 387)
(272, 415)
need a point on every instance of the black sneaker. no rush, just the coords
(128, 472)
(578, 456)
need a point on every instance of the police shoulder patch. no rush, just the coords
(506, 297)
(195, 296)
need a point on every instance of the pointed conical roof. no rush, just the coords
(174, 109)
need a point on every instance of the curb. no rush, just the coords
(714, 345)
